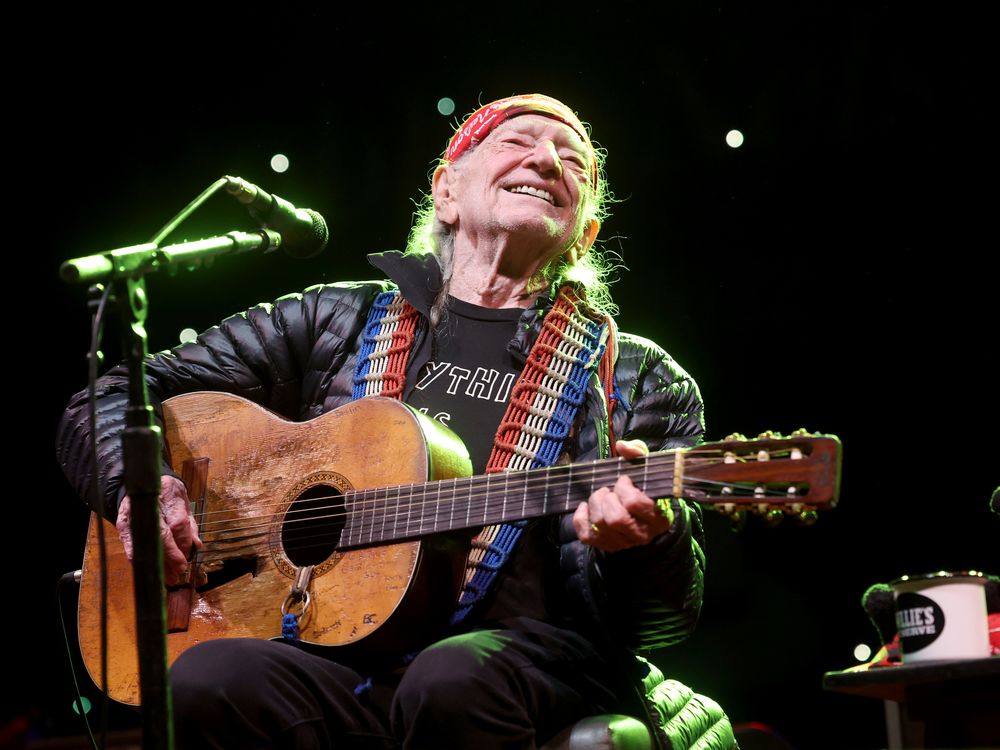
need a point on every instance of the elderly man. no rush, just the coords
(506, 310)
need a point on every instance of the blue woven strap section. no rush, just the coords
(372, 327)
(363, 687)
(495, 558)
(290, 627)
(569, 402)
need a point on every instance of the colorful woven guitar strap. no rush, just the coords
(540, 414)
(385, 347)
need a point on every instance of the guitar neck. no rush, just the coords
(768, 475)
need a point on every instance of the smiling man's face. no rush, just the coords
(530, 177)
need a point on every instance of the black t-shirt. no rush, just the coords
(467, 387)
(468, 383)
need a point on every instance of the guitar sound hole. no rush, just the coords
(312, 525)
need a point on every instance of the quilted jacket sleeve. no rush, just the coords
(646, 597)
(273, 354)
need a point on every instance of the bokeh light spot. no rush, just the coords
(734, 138)
(279, 163)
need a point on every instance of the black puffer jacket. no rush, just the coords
(296, 357)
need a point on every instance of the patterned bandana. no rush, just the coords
(485, 120)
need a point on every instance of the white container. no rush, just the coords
(942, 616)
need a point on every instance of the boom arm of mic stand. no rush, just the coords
(136, 261)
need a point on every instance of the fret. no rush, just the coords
(451, 516)
(645, 473)
(569, 485)
(355, 507)
(437, 505)
(524, 504)
(351, 512)
(545, 492)
(357, 514)
(369, 524)
(385, 503)
(468, 507)
(347, 532)
(409, 512)
(593, 477)
(524, 498)
(503, 507)
(506, 483)
(395, 516)
(486, 503)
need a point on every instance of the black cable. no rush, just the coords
(97, 501)
(74, 577)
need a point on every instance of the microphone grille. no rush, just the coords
(880, 605)
(311, 243)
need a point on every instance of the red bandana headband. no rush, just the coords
(485, 120)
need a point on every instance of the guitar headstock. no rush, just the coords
(771, 475)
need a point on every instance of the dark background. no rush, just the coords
(833, 273)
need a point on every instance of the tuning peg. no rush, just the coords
(737, 521)
(774, 516)
(807, 517)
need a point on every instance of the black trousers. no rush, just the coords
(514, 686)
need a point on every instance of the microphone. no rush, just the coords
(880, 606)
(303, 231)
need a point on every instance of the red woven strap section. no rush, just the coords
(394, 377)
(563, 316)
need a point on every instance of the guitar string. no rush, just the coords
(477, 488)
(473, 490)
(469, 509)
(394, 498)
(218, 550)
(222, 548)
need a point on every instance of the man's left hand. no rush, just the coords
(622, 516)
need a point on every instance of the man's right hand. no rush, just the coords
(178, 528)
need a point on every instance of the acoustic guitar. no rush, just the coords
(355, 519)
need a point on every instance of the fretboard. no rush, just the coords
(388, 514)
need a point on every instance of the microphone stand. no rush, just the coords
(141, 444)
(141, 441)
